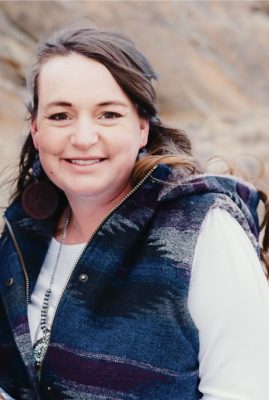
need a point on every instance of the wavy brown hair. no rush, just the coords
(135, 76)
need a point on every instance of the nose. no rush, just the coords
(85, 133)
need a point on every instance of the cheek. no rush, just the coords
(50, 148)
(48, 163)
(126, 143)
(124, 152)
(50, 144)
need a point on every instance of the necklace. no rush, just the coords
(41, 345)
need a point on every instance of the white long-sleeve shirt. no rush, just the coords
(228, 301)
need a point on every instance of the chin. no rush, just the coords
(83, 192)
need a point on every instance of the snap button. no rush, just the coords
(83, 278)
(9, 282)
(49, 388)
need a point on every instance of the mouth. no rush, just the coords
(82, 162)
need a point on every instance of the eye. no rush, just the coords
(58, 117)
(110, 115)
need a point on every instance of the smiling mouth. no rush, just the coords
(77, 161)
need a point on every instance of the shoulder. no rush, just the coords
(227, 276)
(220, 224)
(197, 195)
(223, 233)
(224, 254)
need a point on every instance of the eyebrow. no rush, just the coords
(61, 103)
(112, 103)
(58, 103)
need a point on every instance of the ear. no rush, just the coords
(144, 132)
(34, 133)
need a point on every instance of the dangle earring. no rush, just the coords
(40, 199)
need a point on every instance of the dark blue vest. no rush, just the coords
(126, 332)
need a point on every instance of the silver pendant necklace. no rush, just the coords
(41, 345)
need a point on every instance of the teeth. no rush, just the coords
(84, 162)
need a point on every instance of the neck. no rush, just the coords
(86, 216)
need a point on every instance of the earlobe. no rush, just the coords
(144, 130)
(34, 134)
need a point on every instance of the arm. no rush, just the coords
(229, 303)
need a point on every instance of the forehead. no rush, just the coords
(78, 77)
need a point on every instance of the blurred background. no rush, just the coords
(212, 58)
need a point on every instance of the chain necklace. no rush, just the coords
(41, 345)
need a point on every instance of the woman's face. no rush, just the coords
(87, 131)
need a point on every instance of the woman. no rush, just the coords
(125, 274)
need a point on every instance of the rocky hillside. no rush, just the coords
(212, 58)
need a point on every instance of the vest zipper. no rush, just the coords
(82, 251)
(20, 257)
